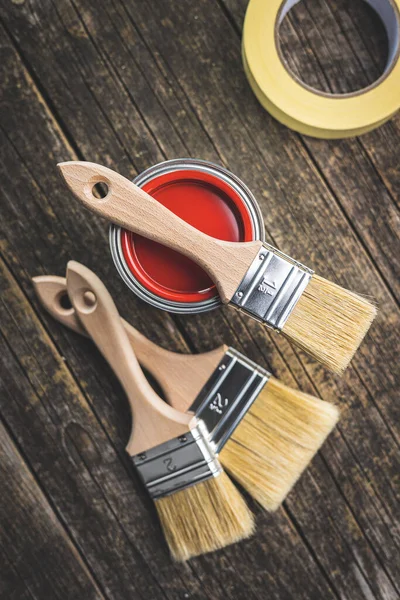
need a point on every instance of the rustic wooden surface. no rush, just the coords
(128, 83)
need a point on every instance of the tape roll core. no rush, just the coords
(301, 107)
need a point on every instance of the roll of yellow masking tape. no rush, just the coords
(301, 107)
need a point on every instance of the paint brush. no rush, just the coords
(199, 507)
(265, 431)
(319, 316)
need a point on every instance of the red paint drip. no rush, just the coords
(207, 203)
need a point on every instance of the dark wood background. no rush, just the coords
(129, 83)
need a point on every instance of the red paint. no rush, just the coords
(208, 204)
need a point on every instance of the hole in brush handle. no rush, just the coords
(98, 189)
(85, 301)
(64, 303)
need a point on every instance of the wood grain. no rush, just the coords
(181, 376)
(153, 421)
(128, 206)
(128, 84)
(38, 558)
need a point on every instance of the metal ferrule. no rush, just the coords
(228, 395)
(272, 287)
(178, 463)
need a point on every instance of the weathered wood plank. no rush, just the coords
(38, 559)
(194, 78)
(93, 487)
(11, 584)
(339, 46)
(84, 444)
(345, 164)
(98, 389)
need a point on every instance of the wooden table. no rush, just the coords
(128, 84)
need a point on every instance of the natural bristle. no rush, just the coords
(204, 518)
(329, 322)
(276, 440)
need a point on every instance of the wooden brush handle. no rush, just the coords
(51, 290)
(130, 207)
(154, 421)
(181, 376)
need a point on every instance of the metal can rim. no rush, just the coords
(169, 166)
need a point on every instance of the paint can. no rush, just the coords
(208, 197)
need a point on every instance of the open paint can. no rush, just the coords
(208, 197)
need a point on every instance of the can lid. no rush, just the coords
(206, 202)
